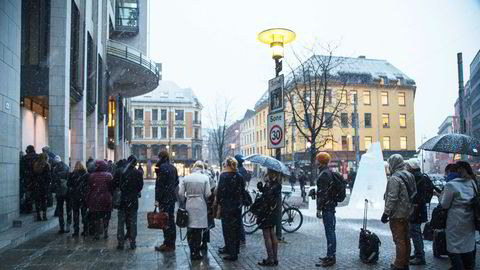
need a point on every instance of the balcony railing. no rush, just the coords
(129, 53)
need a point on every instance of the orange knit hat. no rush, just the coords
(323, 158)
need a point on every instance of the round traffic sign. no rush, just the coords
(276, 135)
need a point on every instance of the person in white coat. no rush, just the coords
(194, 191)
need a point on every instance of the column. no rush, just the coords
(59, 78)
(92, 136)
(119, 146)
(101, 138)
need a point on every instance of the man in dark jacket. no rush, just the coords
(60, 183)
(326, 208)
(130, 184)
(26, 176)
(244, 173)
(419, 214)
(166, 187)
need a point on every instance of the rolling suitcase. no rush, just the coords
(368, 242)
(439, 245)
(428, 232)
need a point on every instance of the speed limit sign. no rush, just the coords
(276, 127)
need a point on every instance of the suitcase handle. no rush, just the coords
(365, 215)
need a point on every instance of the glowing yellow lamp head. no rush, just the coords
(276, 38)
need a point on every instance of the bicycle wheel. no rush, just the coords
(249, 222)
(292, 219)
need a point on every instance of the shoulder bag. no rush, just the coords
(157, 220)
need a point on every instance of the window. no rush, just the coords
(126, 16)
(366, 98)
(179, 116)
(368, 142)
(261, 133)
(344, 143)
(154, 132)
(386, 143)
(403, 143)
(343, 96)
(385, 120)
(353, 93)
(401, 98)
(368, 120)
(196, 134)
(403, 120)
(196, 120)
(265, 132)
(138, 133)
(163, 132)
(139, 114)
(163, 115)
(308, 120)
(179, 133)
(384, 96)
(328, 120)
(344, 120)
(154, 115)
(258, 137)
(328, 99)
(354, 119)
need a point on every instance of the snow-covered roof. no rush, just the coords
(169, 92)
(248, 114)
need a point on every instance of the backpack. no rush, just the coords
(339, 187)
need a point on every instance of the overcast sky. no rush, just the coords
(211, 46)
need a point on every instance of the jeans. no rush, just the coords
(231, 231)
(127, 217)
(401, 238)
(329, 223)
(463, 261)
(79, 208)
(194, 238)
(60, 202)
(417, 238)
(170, 233)
(278, 218)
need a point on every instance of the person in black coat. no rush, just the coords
(229, 198)
(267, 218)
(246, 178)
(77, 186)
(60, 186)
(130, 184)
(27, 178)
(40, 185)
(166, 187)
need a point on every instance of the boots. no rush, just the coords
(44, 215)
(39, 217)
(67, 228)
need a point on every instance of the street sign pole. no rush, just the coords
(276, 115)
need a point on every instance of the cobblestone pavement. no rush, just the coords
(52, 251)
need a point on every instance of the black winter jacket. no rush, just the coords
(166, 185)
(230, 191)
(77, 185)
(325, 200)
(420, 210)
(60, 171)
(131, 184)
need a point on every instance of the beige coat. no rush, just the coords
(195, 189)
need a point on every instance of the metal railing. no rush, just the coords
(124, 51)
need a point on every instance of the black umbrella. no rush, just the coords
(453, 143)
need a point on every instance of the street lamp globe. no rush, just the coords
(276, 38)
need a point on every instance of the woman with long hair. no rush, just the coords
(229, 198)
(268, 216)
(41, 184)
(77, 185)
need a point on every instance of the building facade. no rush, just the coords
(247, 131)
(168, 118)
(65, 66)
(474, 90)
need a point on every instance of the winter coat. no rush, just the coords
(243, 172)
(229, 192)
(99, 197)
(26, 171)
(397, 200)
(131, 185)
(166, 184)
(270, 193)
(41, 180)
(77, 185)
(419, 214)
(194, 191)
(325, 198)
(60, 172)
(460, 231)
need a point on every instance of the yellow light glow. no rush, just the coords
(276, 35)
(277, 50)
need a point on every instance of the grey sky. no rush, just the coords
(211, 46)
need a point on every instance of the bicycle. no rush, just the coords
(292, 218)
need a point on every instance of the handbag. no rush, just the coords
(182, 218)
(439, 218)
(157, 220)
(246, 198)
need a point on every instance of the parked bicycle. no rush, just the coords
(292, 218)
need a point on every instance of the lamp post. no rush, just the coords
(276, 38)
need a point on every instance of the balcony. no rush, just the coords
(131, 73)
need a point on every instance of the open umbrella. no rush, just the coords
(269, 163)
(453, 143)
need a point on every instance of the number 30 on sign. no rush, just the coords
(276, 126)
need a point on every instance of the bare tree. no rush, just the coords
(316, 97)
(220, 120)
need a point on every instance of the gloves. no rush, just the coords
(384, 218)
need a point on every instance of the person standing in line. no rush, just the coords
(27, 176)
(419, 214)
(398, 209)
(194, 192)
(60, 183)
(140, 169)
(40, 185)
(131, 185)
(457, 197)
(302, 180)
(267, 218)
(77, 185)
(99, 198)
(229, 197)
(165, 198)
(326, 204)
(244, 173)
(210, 209)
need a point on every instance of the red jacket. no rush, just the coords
(99, 196)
